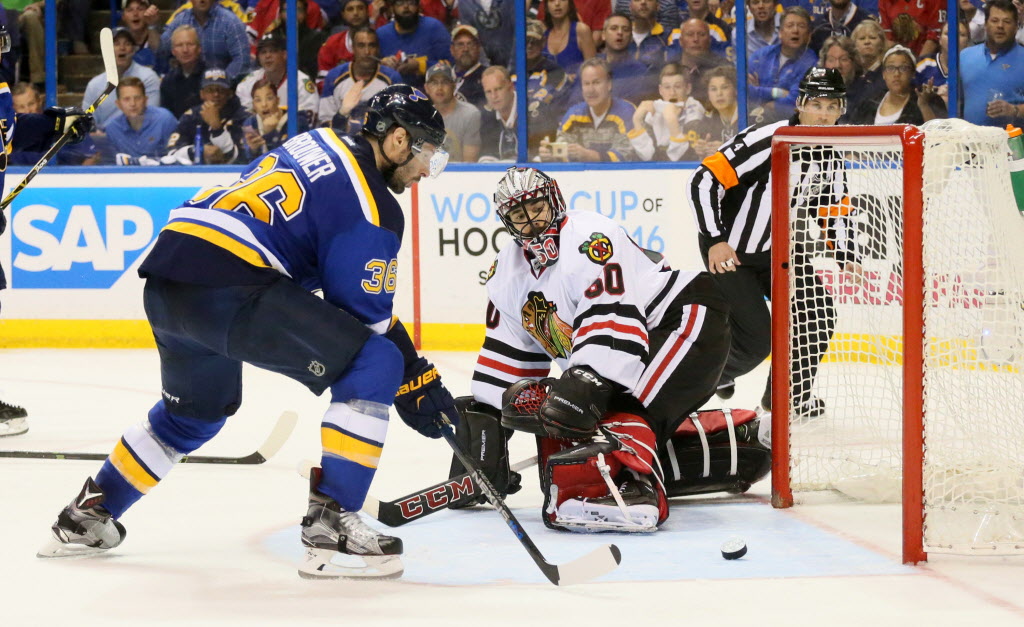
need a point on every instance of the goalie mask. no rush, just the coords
(532, 225)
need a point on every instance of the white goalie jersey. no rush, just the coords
(593, 307)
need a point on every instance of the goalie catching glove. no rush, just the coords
(72, 120)
(422, 399)
(568, 407)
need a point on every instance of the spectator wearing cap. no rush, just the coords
(343, 109)
(775, 71)
(124, 50)
(141, 130)
(216, 126)
(596, 129)
(911, 23)
(839, 21)
(411, 42)
(141, 19)
(179, 89)
(468, 68)
(993, 72)
(494, 21)
(338, 48)
(272, 58)
(221, 34)
(461, 119)
(364, 44)
(634, 81)
(271, 17)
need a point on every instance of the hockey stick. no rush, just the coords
(428, 500)
(598, 562)
(110, 68)
(422, 502)
(278, 436)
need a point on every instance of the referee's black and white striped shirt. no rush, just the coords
(731, 192)
(731, 196)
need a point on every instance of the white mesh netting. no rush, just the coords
(973, 471)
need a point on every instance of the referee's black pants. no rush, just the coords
(751, 323)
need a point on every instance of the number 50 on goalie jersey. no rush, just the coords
(593, 307)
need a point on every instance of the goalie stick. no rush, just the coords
(110, 69)
(600, 561)
(423, 502)
(278, 436)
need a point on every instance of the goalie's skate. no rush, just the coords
(13, 419)
(84, 527)
(633, 509)
(340, 545)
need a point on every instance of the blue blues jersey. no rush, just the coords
(316, 210)
(928, 69)
(6, 136)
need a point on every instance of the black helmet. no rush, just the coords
(821, 82)
(409, 108)
(5, 40)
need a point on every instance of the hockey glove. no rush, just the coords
(72, 120)
(423, 398)
(575, 404)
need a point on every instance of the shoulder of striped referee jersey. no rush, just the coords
(760, 132)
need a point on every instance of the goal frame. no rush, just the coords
(911, 139)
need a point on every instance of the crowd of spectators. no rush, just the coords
(607, 80)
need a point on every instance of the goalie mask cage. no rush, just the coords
(921, 378)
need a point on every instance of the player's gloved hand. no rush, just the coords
(423, 398)
(576, 402)
(70, 119)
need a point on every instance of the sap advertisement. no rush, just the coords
(75, 240)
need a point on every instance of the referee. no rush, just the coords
(730, 194)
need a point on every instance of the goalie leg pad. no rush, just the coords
(481, 435)
(605, 486)
(717, 451)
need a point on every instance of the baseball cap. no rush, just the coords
(534, 29)
(441, 69)
(271, 40)
(215, 76)
(465, 28)
(122, 31)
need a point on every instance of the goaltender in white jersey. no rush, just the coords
(639, 344)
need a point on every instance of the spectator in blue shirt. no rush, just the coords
(124, 51)
(993, 72)
(632, 80)
(412, 42)
(221, 34)
(775, 71)
(762, 25)
(142, 130)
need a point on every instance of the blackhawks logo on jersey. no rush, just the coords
(540, 319)
(598, 248)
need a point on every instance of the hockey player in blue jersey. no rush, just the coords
(14, 419)
(229, 280)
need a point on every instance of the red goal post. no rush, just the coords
(893, 344)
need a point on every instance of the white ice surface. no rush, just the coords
(217, 545)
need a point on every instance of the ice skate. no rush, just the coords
(339, 544)
(810, 409)
(13, 420)
(726, 390)
(633, 509)
(84, 527)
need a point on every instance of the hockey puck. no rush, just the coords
(734, 548)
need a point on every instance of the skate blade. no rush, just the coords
(54, 548)
(14, 426)
(328, 564)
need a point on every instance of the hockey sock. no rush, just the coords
(352, 434)
(147, 452)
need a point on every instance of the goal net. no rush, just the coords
(897, 293)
